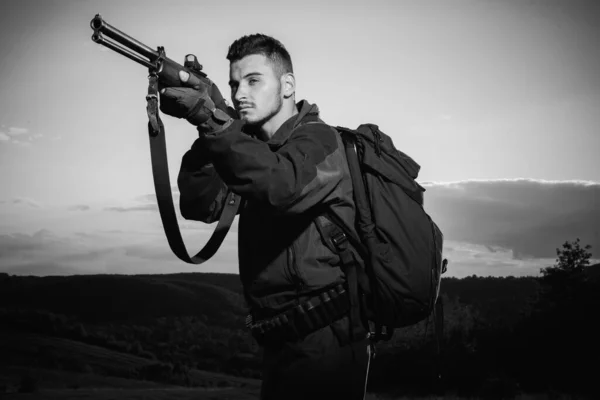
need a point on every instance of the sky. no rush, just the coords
(497, 100)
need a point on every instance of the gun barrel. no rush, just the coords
(156, 61)
(125, 44)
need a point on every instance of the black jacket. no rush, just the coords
(285, 184)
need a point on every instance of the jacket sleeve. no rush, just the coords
(202, 192)
(303, 172)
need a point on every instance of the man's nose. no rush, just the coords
(240, 94)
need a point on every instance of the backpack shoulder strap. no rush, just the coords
(364, 217)
(365, 224)
(337, 240)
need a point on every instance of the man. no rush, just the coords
(289, 168)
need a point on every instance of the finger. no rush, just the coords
(190, 80)
(171, 92)
(184, 76)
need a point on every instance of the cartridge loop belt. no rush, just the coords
(303, 319)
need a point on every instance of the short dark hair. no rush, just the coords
(269, 47)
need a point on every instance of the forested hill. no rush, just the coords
(216, 297)
(128, 298)
(173, 326)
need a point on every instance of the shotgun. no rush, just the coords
(165, 72)
(157, 62)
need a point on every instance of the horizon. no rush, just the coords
(496, 100)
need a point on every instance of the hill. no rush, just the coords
(113, 298)
(48, 352)
(172, 330)
(593, 272)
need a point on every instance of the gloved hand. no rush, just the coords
(193, 102)
(217, 98)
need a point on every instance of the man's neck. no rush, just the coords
(267, 131)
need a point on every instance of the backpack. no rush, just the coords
(400, 244)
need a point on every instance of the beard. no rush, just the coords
(265, 116)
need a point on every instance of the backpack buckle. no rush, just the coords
(338, 239)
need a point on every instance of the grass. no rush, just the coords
(136, 394)
(51, 385)
(214, 394)
(525, 396)
(48, 384)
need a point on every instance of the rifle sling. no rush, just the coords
(162, 186)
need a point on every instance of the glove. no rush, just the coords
(195, 104)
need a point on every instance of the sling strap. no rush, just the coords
(162, 187)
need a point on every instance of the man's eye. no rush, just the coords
(253, 81)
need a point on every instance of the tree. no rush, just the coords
(566, 290)
(570, 262)
(565, 287)
(562, 327)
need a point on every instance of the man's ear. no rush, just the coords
(288, 82)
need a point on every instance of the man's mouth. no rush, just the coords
(244, 107)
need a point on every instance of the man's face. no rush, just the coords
(256, 90)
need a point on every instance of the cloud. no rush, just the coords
(19, 242)
(113, 238)
(467, 259)
(19, 136)
(148, 202)
(531, 218)
(48, 253)
(151, 197)
(141, 207)
(42, 268)
(79, 207)
(16, 131)
(27, 202)
(491, 227)
(158, 249)
(145, 198)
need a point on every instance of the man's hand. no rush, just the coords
(193, 102)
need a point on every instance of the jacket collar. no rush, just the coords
(306, 113)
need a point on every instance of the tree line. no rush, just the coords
(501, 335)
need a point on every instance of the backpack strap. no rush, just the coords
(364, 223)
(337, 240)
(341, 240)
(162, 187)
